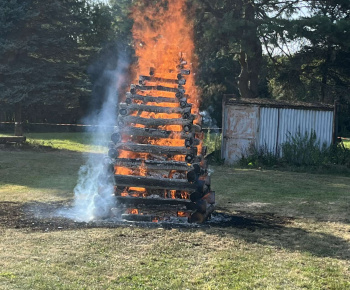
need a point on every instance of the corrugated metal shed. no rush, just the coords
(268, 123)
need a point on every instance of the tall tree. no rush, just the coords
(39, 52)
(319, 70)
(111, 37)
(232, 33)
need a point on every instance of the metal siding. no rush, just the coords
(268, 128)
(294, 121)
(244, 125)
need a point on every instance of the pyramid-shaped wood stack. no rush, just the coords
(156, 181)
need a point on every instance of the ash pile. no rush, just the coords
(156, 157)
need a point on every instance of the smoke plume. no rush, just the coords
(94, 192)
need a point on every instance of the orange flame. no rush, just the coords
(163, 42)
(183, 214)
(133, 211)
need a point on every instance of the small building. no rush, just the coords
(268, 123)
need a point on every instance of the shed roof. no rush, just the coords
(278, 103)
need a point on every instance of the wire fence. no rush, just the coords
(53, 127)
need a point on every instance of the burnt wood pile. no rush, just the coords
(160, 173)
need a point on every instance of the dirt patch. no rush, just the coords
(30, 216)
(36, 216)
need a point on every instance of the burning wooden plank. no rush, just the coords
(154, 183)
(180, 81)
(155, 133)
(153, 122)
(135, 201)
(185, 72)
(149, 99)
(139, 217)
(153, 164)
(135, 88)
(156, 149)
(199, 217)
(125, 109)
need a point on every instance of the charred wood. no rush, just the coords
(201, 206)
(210, 197)
(197, 128)
(116, 137)
(199, 218)
(149, 99)
(185, 72)
(180, 81)
(155, 133)
(152, 122)
(139, 217)
(112, 153)
(156, 149)
(154, 183)
(153, 164)
(135, 88)
(125, 109)
(192, 128)
(135, 201)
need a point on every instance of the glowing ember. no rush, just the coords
(133, 211)
(183, 214)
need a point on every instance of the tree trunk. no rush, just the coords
(254, 59)
(243, 79)
(18, 120)
(250, 56)
(325, 72)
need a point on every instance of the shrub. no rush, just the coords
(299, 150)
(213, 142)
(259, 157)
(303, 149)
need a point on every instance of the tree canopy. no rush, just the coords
(56, 52)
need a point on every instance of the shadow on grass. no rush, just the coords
(272, 230)
(38, 169)
(266, 229)
(76, 142)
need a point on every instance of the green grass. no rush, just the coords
(212, 141)
(307, 195)
(346, 143)
(78, 142)
(303, 243)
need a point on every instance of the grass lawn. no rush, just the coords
(78, 142)
(347, 143)
(289, 231)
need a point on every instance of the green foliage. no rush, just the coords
(228, 38)
(259, 157)
(213, 142)
(40, 53)
(112, 38)
(53, 53)
(319, 70)
(300, 150)
(303, 149)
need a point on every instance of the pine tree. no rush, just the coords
(320, 69)
(40, 53)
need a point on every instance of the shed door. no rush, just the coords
(240, 130)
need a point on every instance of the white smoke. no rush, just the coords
(208, 121)
(93, 193)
